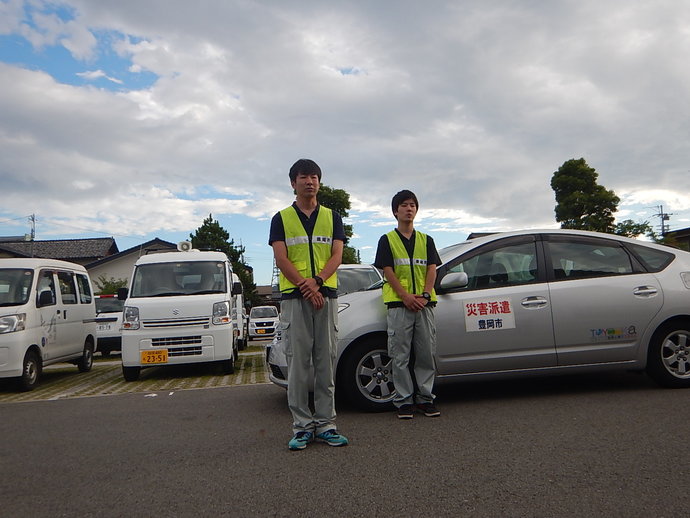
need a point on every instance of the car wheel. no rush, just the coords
(86, 361)
(31, 371)
(105, 351)
(668, 362)
(131, 373)
(366, 375)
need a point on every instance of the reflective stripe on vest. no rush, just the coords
(403, 271)
(301, 250)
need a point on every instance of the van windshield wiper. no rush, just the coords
(205, 292)
(167, 294)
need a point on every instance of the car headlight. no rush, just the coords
(342, 306)
(221, 313)
(130, 318)
(12, 323)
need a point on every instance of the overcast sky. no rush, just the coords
(138, 118)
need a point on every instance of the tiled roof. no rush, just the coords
(66, 249)
(154, 244)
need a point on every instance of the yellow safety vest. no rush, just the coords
(308, 254)
(410, 271)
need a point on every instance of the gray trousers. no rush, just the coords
(311, 340)
(412, 331)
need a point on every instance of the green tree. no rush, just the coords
(581, 203)
(629, 228)
(105, 286)
(338, 200)
(212, 236)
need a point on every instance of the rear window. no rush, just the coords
(652, 259)
(109, 305)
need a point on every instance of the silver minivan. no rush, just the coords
(47, 315)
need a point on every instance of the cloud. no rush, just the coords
(97, 74)
(472, 106)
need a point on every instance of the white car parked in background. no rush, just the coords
(46, 316)
(263, 321)
(109, 323)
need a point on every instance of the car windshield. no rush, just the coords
(266, 312)
(109, 305)
(15, 285)
(356, 279)
(452, 251)
(179, 278)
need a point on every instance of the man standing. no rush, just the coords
(307, 241)
(408, 259)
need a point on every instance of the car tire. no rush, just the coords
(105, 351)
(86, 361)
(31, 371)
(131, 373)
(365, 375)
(668, 360)
(228, 366)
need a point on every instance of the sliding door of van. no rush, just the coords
(70, 316)
(48, 308)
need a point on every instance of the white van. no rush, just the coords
(47, 315)
(178, 311)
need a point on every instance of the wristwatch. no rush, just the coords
(318, 280)
(427, 296)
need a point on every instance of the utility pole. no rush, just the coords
(275, 280)
(32, 219)
(664, 216)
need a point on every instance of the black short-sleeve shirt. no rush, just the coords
(277, 233)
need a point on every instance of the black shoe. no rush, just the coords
(428, 409)
(405, 412)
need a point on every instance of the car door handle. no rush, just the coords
(533, 302)
(645, 291)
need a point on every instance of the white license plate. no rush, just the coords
(104, 327)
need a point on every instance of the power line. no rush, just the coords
(15, 219)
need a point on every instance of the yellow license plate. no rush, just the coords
(260, 331)
(149, 357)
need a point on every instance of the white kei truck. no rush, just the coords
(178, 310)
(47, 316)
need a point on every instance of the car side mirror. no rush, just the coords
(236, 288)
(45, 298)
(122, 293)
(454, 280)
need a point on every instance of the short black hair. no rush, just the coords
(304, 166)
(401, 197)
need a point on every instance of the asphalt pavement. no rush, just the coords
(605, 445)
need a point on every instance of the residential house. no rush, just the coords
(120, 266)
